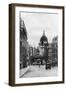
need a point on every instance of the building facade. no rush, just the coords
(43, 47)
(23, 45)
(55, 50)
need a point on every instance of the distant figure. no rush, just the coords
(39, 63)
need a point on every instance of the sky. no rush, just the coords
(37, 22)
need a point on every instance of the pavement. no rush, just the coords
(23, 71)
(36, 71)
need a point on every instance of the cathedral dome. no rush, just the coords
(43, 39)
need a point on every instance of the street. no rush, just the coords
(36, 71)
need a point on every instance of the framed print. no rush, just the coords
(36, 44)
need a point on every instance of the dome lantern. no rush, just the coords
(43, 32)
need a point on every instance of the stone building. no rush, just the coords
(50, 53)
(23, 45)
(43, 47)
(55, 50)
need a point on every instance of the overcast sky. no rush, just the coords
(37, 22)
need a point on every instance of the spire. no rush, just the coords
(43, 32)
